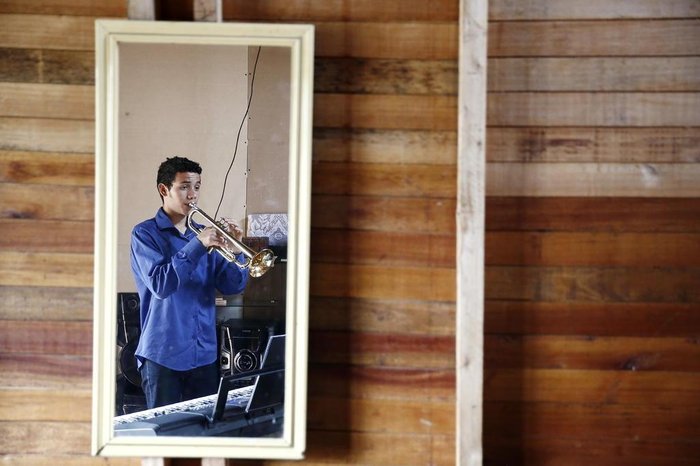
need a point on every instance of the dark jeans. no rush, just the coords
(164, 386)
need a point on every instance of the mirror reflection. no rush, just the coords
(203, 148)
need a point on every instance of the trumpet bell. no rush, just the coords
(261, 263)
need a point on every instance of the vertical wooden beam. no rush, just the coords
(471, 163)
(141, 10)
(208, 10)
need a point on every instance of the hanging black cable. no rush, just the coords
(240, 128)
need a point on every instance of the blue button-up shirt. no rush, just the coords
(177, 281)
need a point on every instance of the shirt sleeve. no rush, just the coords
(157, 267)
(230, 279)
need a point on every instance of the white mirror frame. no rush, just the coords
(109, 34)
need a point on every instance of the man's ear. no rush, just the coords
(162, 189)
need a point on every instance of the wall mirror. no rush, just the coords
(237, 99)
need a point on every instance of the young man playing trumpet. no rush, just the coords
(177, 281)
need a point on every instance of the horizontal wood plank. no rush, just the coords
(385, 146)
(593, 214)
(591, 284)
(46, 337)
(385, 76)
(596, 319)
(389, 214)
(360, 281)
(340, 10)
(62, 101)
(598, 353)
(428, 352)
(529, 74)
(601, 421)
(388, 416)
(60, 168)
(46, 269)
(334, 447)
(600, 144)
(44, 438)
(74, 460)
(601, 74)
(608, 109)
(593, 179)
(31, 235)
(47, 202)
(45, 405)
(47, 31)
(385, 111)
(416, 40)
(47, 66)
(379, 383)
(383, 248)
(509, 248)
(66, 7)
(50, 371)
(408, 40)
(419, 180)
(629, 388)
(511, 144)
(594, 38)
(34, 303)
(577, 451)
(47, 134)
(593, 249)
(504, 10)
(382, 315)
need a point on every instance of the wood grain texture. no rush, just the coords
(593, 214)
(47, 66)
(595, 74)
(594, 109)
(594, 353)
(398, 214)
(47, 134)
(593, 284)
(504, 10)
(46, 269)
(385, 111)
(593, 179)
(419, 180)
(47, 101)
(47, 168)
(384, 146)
(592, 318)
(342, 10)
(599, 144)
(35, 303)
(65, 7)
(47, 202)
(47, 31)
(360, 281)
(623, 388)
(663, 38)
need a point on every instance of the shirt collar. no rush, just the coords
(163, 221)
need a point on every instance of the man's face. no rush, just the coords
(185, 189)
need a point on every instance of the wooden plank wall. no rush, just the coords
(593, 233)
(593, 230)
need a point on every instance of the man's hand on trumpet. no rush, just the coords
(234, 230)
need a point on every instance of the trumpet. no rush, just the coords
(257, 263)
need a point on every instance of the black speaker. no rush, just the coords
(128, 333)
(241, 346)
(128, 318)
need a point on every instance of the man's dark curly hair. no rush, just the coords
(174, 165)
